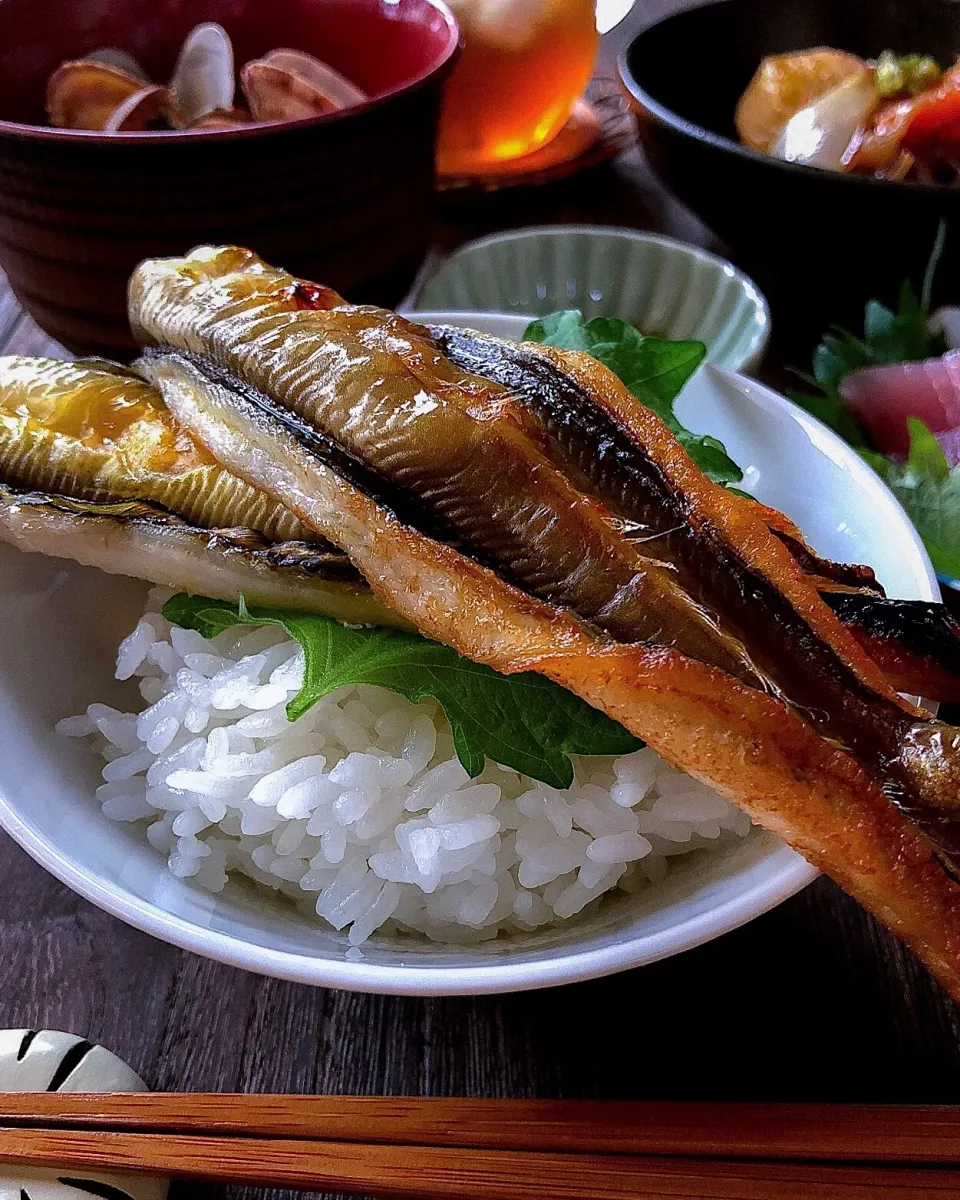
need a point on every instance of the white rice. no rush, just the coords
(360, 810)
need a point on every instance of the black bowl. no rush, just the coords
(821, 243)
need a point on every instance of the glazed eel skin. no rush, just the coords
(93, 430)
(916, 643)
(354, 420)
(92, 466)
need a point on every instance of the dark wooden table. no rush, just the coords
(813, 1001)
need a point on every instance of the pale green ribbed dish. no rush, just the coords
(660, 285)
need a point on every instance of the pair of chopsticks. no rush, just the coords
(439, 1149)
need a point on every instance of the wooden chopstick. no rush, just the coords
(852, 1133)
(450, 1173)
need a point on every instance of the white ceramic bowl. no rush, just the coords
(657, 283)
(59, 629)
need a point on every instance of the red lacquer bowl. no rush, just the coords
(344, 199)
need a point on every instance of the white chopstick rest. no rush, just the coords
(49, 1061)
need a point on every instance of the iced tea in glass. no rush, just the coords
(524, 65)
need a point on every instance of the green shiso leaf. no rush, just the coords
(654, 370)
(522, 721)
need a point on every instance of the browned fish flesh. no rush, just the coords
(728, 558)
(713, 581)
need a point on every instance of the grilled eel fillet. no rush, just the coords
(145, 541)
(915, 643)
(96, 431)
(374, 396)
(94, 467)
(319, 405)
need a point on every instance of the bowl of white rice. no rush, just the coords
(156, 772)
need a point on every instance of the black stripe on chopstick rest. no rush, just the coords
(25, 1045)
(68, 1064)
(94, 1187)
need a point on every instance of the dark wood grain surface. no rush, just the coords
(814, 1001)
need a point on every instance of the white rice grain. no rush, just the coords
(384, 829)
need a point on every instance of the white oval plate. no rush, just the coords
(60, 625)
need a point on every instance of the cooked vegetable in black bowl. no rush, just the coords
(821, 234)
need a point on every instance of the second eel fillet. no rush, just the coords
(760, 752)
(96, 431)
(730, 559)
(145, 541)
(94, 468)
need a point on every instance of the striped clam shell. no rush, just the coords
(49, 1061)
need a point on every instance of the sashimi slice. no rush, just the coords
(949, 442)
(882, 398)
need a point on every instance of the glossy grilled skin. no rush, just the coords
(726, 556)
(755, 749)
(915, 643)
(97, 431)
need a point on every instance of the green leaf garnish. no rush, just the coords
(521, 721)
(929, 492)
(652, 369)
(926, 487)
(910, 74)
(889, 336)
